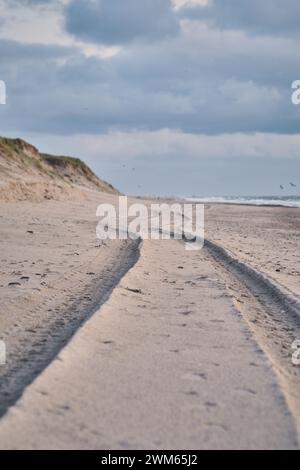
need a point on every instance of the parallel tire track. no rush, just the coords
(43, 344)
(272, 313)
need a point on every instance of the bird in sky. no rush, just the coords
(281, 187)
(293, 185)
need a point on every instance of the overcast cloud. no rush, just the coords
(214, 73)
(264, 17)
(118, 21)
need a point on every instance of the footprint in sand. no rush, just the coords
(195, 376)
(186, 312)
(176, 351)
(191, 393)
(217, 426)
(246, 391)
(210, 404)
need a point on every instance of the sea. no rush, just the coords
(284, 201)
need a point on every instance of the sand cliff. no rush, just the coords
(27, 174)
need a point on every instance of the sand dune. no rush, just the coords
(26, 174)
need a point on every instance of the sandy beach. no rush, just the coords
(135, 345)
(150, 229)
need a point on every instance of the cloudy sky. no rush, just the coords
(182, 97)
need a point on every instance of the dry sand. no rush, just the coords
(268, 238)
(184, 352)
(54, 274)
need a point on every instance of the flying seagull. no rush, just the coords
(293, 185)
(281, 187)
